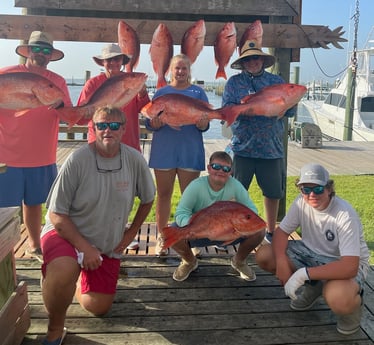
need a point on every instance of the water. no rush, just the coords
(214, 131)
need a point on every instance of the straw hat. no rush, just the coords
(40, 39)
(110, 51)
(251, 48)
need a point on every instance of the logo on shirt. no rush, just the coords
(329, 235)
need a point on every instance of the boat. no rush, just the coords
(329, 113)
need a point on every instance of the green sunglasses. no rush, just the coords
(45, 50)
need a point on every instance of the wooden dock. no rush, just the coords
(213, 306)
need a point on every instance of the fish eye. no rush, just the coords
(249, 216)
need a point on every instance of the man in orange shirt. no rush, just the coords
(28, 143)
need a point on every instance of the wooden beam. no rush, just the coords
(167, 7)
(105, 30)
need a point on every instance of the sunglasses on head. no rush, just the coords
(45, 50)
(113, 126)
(316, 190)
(217, 166)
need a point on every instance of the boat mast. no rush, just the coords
(351, 82)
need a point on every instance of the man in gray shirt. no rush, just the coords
(86, 225)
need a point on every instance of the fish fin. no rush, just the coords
(21, 112)
(171, 235)
(221, 74)
(246, 99)
(226, 243)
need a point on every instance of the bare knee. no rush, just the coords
(265, 258)
(342, 296)
(97, 304)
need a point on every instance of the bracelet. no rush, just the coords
(307, 273)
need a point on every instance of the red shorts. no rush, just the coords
(102, 280)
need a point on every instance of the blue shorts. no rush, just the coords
(28, 185)
(302, 256)
(270, 174)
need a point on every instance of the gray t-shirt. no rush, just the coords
(99, 202)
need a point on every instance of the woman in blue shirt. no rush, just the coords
(176, 152)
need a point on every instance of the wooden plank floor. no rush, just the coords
(213, 306)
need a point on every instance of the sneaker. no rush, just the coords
(58, 341)
(184, 269)
(35, 253)
(308, 297)
(221, 248)
(349, 324)
(245, 271)
(133, 245)
(268, 237)
(159, 244)
(196, 251)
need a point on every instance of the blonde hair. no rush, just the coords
(222, 156)
(110, 111)
(177, 58)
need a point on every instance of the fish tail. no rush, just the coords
(230, 113)
(171, 235)
(221, 73)
(161, 82)
(71, 115)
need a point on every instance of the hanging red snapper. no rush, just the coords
(193, 40)
(273, 100)
(129, 43)
(224, 47)
(222, 221)
(177, 110)
(253, 32)
(161, 51)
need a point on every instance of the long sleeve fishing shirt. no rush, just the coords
(255, 136)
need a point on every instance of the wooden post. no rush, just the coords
(282, 68)
(349, 106)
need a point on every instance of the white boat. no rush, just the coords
(329, 114)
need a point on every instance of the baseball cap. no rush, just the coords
(314, 173)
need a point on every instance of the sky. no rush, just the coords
(315, 64)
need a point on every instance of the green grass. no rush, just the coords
(354, 189)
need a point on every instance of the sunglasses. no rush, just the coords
(217, 166)
(101, 170)
(316, 190)
(45, 51)
(113, 126)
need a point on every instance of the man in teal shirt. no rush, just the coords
(202, 192)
